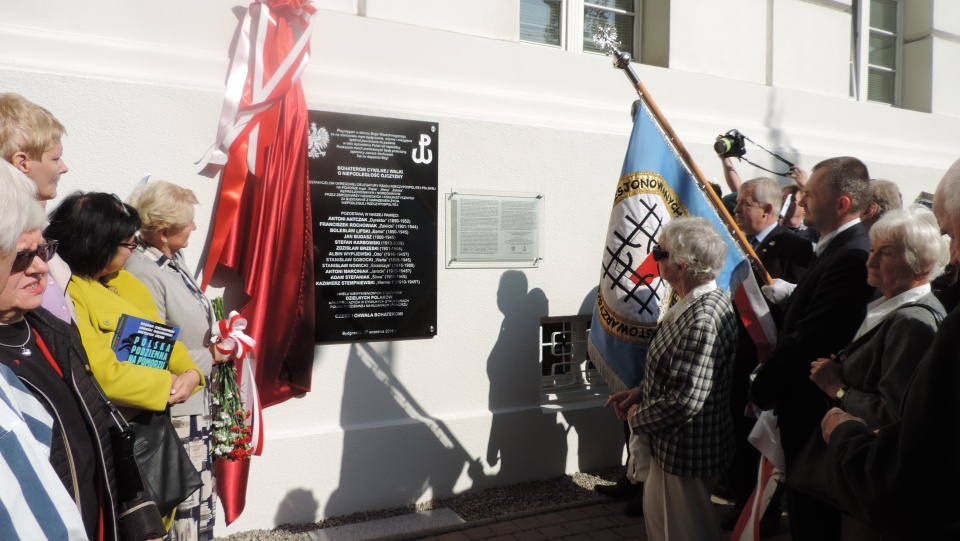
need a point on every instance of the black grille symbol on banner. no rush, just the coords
(621, 268)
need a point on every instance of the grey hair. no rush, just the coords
(846, 175)
(697, 243)
(949, 191)
(886, 194)
(20, 211)
(766, 191)
(916, 231)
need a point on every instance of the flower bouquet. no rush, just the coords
(231, 433)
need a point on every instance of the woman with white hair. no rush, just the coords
(869, 378)
(166, 212)
(683, 404)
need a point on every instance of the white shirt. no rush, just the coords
(825, 240)
(881, 308)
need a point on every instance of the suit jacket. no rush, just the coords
(686, 389)
(905, 478)
(785, 255)
(878, 365)
(821, 317)
(98, 310)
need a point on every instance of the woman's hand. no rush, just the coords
(834, 418)
(623, 401)
(220, 357)
(828, 375)
(182, 386)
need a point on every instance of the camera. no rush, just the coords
(730, 145)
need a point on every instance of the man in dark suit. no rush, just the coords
(784, 256)
(905, 477)
(821, 317)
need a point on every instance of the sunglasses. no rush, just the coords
(131, 245)
(24, 259)
(659, 253)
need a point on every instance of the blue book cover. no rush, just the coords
(144, 342)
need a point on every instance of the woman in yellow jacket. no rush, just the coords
(96, 235)
(97, 232)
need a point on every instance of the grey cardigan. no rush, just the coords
(180, 307)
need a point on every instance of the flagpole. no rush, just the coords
(621, 60)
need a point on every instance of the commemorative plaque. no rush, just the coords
(373, 189)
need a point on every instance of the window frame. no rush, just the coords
(861, 61)
(572, 20)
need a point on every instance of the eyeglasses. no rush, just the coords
(24, 259)
(131, 245)
(659, 253)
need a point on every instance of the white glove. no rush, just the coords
(778, 291)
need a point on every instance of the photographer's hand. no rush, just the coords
(798, 175)
(730, 174)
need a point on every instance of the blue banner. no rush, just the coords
(655, 187)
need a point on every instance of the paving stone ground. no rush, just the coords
(603, 521)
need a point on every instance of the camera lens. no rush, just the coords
(722, 146)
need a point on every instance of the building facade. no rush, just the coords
(523, 104)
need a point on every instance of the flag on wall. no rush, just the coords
(262, 227)
(656, 186)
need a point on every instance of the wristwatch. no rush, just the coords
(842, 393)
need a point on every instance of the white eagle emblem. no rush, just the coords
(317, 141)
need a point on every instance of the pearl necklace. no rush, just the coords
(24, 350)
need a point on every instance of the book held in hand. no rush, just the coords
(144, 342)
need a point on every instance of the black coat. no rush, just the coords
(905, 479)
(63, 344)
(822, 315)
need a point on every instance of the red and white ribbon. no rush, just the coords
(233, 341)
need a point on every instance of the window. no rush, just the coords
(567, 377)
(558, 22)
(877, 58)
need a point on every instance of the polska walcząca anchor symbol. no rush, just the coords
(426, 155)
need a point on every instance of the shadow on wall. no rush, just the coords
(299, 505)
(394, 452)
(524, 443)
(600, 438)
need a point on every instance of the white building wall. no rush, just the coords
(139, 89)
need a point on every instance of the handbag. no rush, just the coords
(167, 471)
(811, 471)
(138, 516)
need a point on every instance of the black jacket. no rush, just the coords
(64, 348)
(821, 317)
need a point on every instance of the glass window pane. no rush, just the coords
(540, 21)
(625, 5)
(883, 15)
(596, 17)
(880, 86)
(883, 50)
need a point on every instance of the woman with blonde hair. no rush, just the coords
(167, 211)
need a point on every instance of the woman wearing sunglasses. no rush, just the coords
(683, 404)
(41, 351)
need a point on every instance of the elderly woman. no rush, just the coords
(40, 350)
(167, 214)
(683, 405)
(869, 377)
